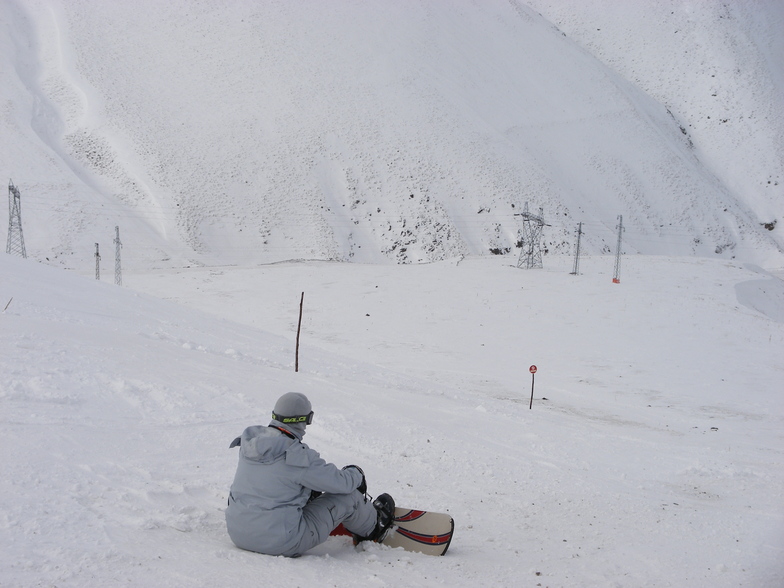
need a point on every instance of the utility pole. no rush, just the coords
(15, 245)
(576, 268)
(97, 263)
(531, 254)
(117, 266)
(617, 272)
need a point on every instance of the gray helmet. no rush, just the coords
(293, 411)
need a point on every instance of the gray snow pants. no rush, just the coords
(326, 512)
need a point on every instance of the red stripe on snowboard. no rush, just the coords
(411, 515)
(426, 539)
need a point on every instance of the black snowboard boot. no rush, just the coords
(385, 511)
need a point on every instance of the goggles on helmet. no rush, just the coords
(291, 420)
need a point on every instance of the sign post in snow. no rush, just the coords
(532, 369)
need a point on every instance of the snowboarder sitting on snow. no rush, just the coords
(286, 499)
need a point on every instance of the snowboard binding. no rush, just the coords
(385, 510)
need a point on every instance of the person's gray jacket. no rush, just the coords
(274, 479)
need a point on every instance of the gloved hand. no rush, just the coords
(362, 485)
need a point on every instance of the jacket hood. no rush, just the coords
(264, 444)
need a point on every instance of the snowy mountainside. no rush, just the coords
(718, 66)
(365, 131)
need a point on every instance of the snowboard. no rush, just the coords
(416, 530)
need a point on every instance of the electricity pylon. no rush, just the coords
(15, 244)
(531, 254)
(617, 272)
(576, 268)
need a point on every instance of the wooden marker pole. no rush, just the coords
(299, 327)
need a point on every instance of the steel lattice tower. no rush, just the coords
(531, 254)
(15, 244)
(117, 267)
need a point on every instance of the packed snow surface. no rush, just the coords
(653, 454)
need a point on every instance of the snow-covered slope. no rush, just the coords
(367, 131)
(718, 66)
(652, 455)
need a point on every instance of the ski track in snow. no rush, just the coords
(652, 455)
